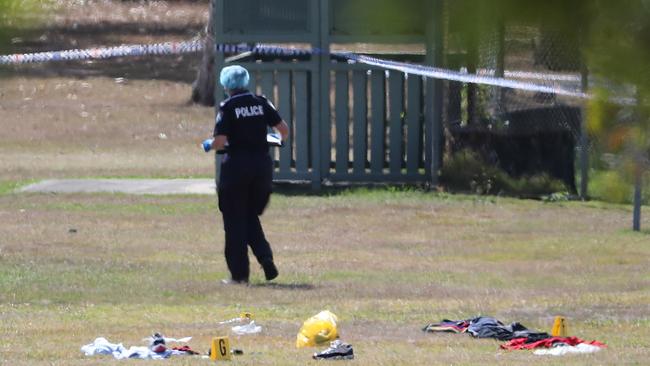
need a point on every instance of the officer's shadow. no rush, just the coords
(285, 286)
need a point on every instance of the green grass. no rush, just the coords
(137, 208)
(11, 186)
(386, 261)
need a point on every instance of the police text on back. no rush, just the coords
(249, 111)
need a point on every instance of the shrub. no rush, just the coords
(467, 171)
(611, 186)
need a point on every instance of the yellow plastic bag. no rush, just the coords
(317, 330)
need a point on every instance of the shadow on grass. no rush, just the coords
(285, 286)
(380, 189)
(294, 188)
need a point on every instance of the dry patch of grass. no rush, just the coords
(54, 127)
(386, 262)
(65, 24)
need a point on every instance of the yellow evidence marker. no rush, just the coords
(559, 327)
(220, 349)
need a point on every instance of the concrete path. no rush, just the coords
(131, 186)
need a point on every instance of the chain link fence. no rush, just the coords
(508, 140)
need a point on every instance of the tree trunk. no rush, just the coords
(203, 86)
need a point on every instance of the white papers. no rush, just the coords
(250, 328)
(274, 139)
(563, 350)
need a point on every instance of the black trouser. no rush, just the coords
(244, 191)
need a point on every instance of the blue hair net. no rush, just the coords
(234, 77)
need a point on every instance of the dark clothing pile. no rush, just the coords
(448, 326)
(519, 336)
(485, 327)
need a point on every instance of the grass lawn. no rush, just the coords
(385, 262)
(74, 267)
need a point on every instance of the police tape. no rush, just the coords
(167, 48)
(170, 48)
(446, 74)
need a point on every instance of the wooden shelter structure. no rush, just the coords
(349, 122)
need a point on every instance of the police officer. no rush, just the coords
(246, 171)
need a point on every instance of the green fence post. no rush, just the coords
(433, 103)
(219, 60)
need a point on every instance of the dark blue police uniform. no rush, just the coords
(245, 179)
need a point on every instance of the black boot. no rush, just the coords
(270, 271)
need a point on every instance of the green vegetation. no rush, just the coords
(611, 186)
(7, 187)
(17, 13)
(611, 41)
(466, 171)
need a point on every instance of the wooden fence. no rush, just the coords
(374, 131)
(349, 122)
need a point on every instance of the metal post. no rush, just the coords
(433, 93)
(319, 86)
(584, 143)
(638, 183)
(324, 105)
(499, 67)
(640, 156)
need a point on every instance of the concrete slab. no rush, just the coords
(129, 186)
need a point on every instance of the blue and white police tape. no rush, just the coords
(438, 73)
(166, 48)
(445, 74)
(169, 48)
